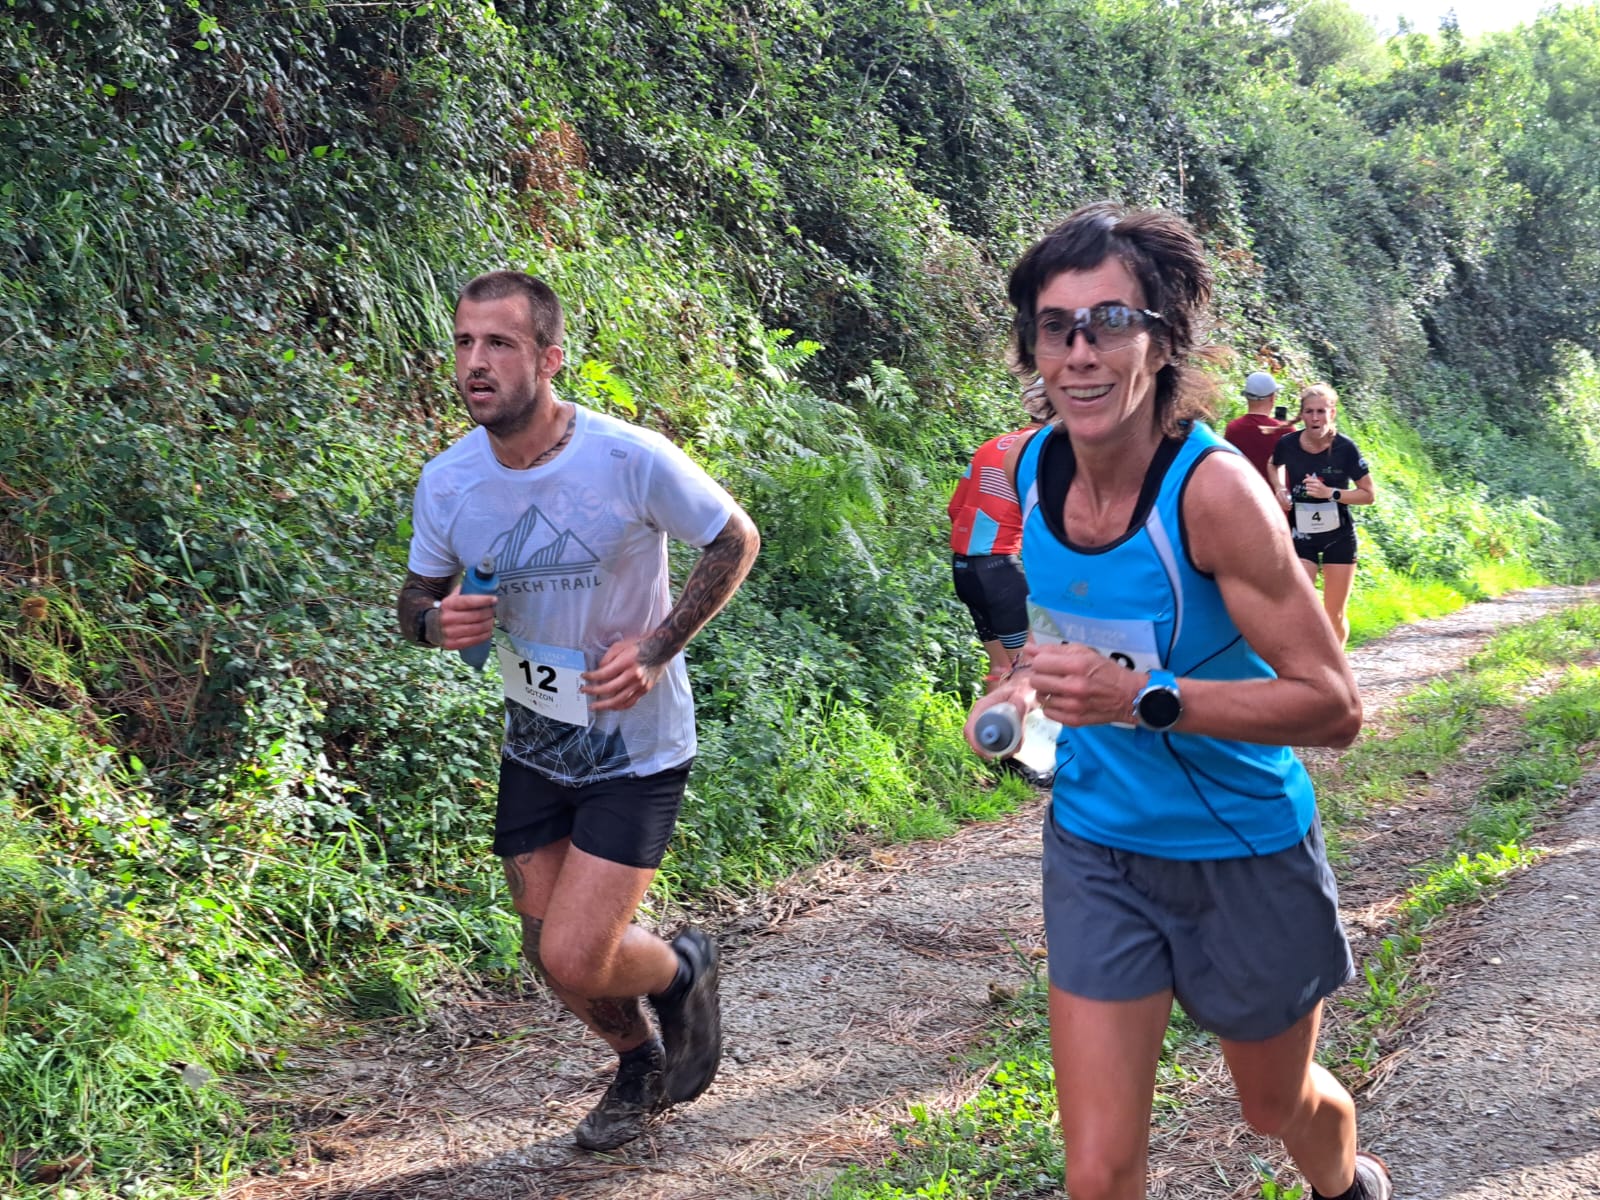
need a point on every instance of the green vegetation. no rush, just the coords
(230, 237)
(1559, 742)
(1005, 1143)
(1427, 729)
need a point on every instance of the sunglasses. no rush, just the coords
(1107, 326)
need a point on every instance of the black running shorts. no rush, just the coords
(1336, 547)
(995, 591)
(628, 819)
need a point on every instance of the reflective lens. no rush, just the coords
(1107, 326)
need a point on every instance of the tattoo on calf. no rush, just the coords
(621, 1017)
(514, 880)
(532, 928)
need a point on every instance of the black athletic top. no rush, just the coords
(1340, 466)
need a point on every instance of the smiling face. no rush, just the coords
(502, 372)
(1100, 393)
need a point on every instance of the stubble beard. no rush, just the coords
(515, 414)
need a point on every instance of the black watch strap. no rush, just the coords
(420, 633)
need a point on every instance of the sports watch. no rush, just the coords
(1336, 494)
(420, 632)
(1158, 706)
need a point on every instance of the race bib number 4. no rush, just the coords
(545, 679)
(1316, 517)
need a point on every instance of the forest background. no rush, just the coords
(238, 805)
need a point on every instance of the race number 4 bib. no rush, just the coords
(544, 678)
(1311, 517)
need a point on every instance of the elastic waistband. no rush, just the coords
(979, 560)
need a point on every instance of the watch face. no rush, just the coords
(1160, 708)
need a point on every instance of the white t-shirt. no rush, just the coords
(580, 549)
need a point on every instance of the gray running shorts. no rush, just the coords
(1247, 945)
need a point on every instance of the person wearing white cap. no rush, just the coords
(1257, 432)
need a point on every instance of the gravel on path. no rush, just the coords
(1499, 1095)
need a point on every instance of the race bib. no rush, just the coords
(1316, 516)
(544, 678)
(1128, 643)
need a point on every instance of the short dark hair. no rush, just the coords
(549, 322)
(1162, 252)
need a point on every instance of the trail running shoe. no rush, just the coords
(1372, 1178)
(635, 1095)
(691, 1026)
(1372, 1174)
(1033, 778)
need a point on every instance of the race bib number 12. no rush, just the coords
(545, 679)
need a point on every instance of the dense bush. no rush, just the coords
(230, 237)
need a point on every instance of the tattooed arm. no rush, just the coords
(449, 619)
(420, 595)
(632, 666)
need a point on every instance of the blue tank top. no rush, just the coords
(1142, 602)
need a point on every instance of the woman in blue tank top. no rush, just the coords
(1182, 648)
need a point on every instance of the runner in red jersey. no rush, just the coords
(1257, 432)
(986, 540)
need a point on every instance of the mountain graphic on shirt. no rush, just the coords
(535, 547)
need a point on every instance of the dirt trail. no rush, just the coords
(1499, 1095)
(849, 992)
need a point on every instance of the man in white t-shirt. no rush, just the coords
(574, 509)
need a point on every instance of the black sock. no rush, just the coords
(680, 982)
(647, 1053)
(1353, 1192)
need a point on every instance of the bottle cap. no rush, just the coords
(996, 729)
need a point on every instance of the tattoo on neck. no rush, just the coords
(561, 442)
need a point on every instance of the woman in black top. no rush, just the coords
(1318, 473)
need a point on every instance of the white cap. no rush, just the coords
(1260, 385)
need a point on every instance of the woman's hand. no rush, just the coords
(1080, 686)
(1316, 489)
(1018, 691)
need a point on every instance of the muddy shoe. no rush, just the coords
(691, 1025)
(634, 1096)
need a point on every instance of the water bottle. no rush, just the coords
(479, 580)
(999, 730)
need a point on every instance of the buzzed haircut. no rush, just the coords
(549, 322)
